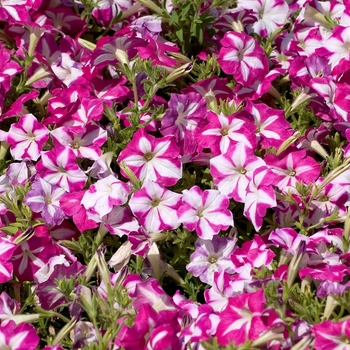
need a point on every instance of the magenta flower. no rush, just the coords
(233, 170)
(66, 69)
(49, 295)
(241, 320)
(211, 89)
(8, 307)
(202, 328)
(336, 46)
(222, 288)
(117, 49)
(272, 129)
(156, 51)
(44, 198)
(253, 253)
(27, 138)
(205, 211)
(104, 194)
(156, 207)
(224, 131)
(119, 221)
(150, 292)
(287, 238)
(6, 251)
(31, 255)
(153, 159)
(260, 196)
(9, 68)
(269, 14)
(291, 167)
(151, 330)
(59, 167)
(242, 56)
(211, 256)
(331, 335)
(108, 9)
(84, 145)
(18, 337)
(70, 203)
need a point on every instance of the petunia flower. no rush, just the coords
(211, 256)
(156, 207)
(27, 138)
(242, 56)
(44, 198)
(150, 158)
(205, 212)
(18, 337)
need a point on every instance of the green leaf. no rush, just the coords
(10, 229)
(179, 34)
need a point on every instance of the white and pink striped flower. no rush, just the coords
(156, 207)
(18, 337)
(6, 250)
(27, 138)
(59, 167)
(205, 212)
(106, 193)
(224, 131)
(84, 145)
(242, 56)
(241, 320)
(233, 170)
(269, 14)
(260, 196)
(292, 167)
(331, 335)
(153, 159)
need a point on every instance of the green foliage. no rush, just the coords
(187, 26)
(306, 305)
(83, 246)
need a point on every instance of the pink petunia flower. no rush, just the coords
(153, 159)
(18, 337)
(331, 335)
(242, 56)
(156, 207)
(27, 138)
(205, 211)
(59, 167)
(242, 319)
(104, 194)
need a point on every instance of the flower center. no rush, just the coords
(148, 156)
(155, 202)
(240, 55)
(324, 198)
(243, 171)
(76, 145)
(224, 131)
(344, 339)
(213, 259)
(200, 212)
(292, 172)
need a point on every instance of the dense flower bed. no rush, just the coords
(174, 174)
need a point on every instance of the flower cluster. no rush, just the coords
(174, 174)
